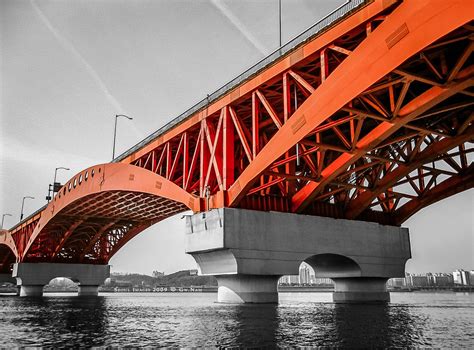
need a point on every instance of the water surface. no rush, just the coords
(173, 319)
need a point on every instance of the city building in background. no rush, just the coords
(458, 278)
(306, 277)
(463, 278)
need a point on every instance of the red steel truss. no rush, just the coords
(370, 120)
(360, 123)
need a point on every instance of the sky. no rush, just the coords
(67, 67)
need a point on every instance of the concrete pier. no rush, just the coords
(249, 250)
(360, 289)
(32, 277)
(88, 290)
(237, 289)
(7, 277)
(31, 290)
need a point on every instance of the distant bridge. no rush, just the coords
(366, 116)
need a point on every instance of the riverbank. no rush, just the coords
(213, 289)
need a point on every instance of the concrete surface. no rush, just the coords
(32, 277)
(7, 277)
(360, 289)
(237, 289)
(233, 241)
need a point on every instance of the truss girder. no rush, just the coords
(296, 133)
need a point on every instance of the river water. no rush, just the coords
(185, 320)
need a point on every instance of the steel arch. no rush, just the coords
(105, 204)
(425, 22)
(8, 251)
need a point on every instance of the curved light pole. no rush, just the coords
(55, 173)
(3, 218)
(55, 188)
(23, 205)
(115, 130)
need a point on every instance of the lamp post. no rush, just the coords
(56, 186)
(23, 205)
(279, 21)
(115, 130)
(3, 218)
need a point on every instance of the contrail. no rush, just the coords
(240, 26)
(93, 74)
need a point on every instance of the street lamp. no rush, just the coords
(3, 218)
(279, 22)
(115, 130)
(23, 205)
(56, 185)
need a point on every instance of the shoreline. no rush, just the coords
(213, 289)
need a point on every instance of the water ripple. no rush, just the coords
(184, 320)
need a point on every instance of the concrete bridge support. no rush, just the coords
(32, 277)
(248, 251)
(7, 277)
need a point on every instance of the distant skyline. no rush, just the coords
(67, 67)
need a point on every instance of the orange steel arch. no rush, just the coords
(454, 185)
(99, 210)
(425, 22)
(8, 251)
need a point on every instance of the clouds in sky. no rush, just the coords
(219, 4)
(68, 46)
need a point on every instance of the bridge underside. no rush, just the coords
(97, 212)
(92, 229)
(387, 153)
(7, 259)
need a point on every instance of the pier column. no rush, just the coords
(7, 277)
(31, 290)
(238, 289)
(32, 277)
(360, 289)
(88, 290)
(249, 250)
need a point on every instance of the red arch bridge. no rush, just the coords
(318, 153)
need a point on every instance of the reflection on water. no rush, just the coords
(350, 325)
(52, 321)
(362, 326)
(307, 319)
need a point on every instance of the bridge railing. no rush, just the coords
(27, 218)
(348, 7)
